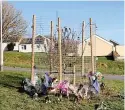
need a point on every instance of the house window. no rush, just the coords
(23, 47)
(38, 46)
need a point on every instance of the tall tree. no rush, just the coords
(13, 24)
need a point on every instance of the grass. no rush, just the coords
(16, 59)
(113, 67)
(12, 99)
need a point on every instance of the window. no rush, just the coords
(38, 46)
(23, 47)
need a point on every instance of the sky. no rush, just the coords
(108, 16)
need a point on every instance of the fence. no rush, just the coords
(64, 48)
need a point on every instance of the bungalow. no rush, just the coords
(41, 44)
(101, 47)
(16, 41)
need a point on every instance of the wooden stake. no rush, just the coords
(74, 75)
(33, 42)
(83, 33)
(91, 40)
(51, 46)
(59, 50)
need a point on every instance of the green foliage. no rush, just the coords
(10, 46)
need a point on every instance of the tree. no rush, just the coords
(13, 24)
(69, 49)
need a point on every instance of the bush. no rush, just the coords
(10, 46)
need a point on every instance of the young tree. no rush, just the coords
(69, 49)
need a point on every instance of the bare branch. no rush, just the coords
(13, 24)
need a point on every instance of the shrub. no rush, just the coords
(10, 46)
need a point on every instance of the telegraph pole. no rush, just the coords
(83, 33)
(59, 50)
(91, 40)
(33, 42)
(51, 46)
(1, 53)
(1, 41)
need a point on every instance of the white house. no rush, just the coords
(16, 47)
(41, 44)
(16, 41)
(4, 46)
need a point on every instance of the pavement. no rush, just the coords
(107, 76)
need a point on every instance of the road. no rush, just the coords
(107, 76)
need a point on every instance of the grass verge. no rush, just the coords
(18, 59)
(12, 99)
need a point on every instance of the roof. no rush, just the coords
(104, 40)
(26, 41)
(99, 37)
(38, 40)
(13, 39)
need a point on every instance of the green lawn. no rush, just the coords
(16, 59)
(12, 99)
(113, 67)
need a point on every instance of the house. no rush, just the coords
(101, 47)
(118, 52)
(16, 41)
(41, 44)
